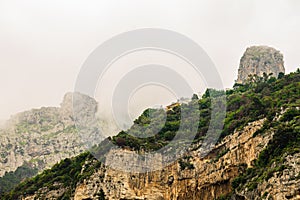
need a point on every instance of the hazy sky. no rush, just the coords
(44, 43)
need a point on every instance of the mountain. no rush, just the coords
(260, 61)
(34, 140)
(256, 157)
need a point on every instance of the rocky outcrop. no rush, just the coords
(258, 60)
(42, 137)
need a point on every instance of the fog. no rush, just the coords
(43, 44)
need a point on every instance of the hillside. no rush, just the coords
(35, 140)
(256, 157)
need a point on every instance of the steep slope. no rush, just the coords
(256, 157)
(207, 178)
(277, 169)
(37, 139)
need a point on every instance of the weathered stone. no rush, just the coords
(258, 60)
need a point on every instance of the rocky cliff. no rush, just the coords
(209, 179)
(40, 137)
(258, 60)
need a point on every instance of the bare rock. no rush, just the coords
(258, 60)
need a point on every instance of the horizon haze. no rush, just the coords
(44, 44)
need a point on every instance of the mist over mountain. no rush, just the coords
(37, 139)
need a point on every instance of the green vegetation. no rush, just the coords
(67, 173)
(185, 163)
(262, 98)
(225, 197)
(10, 179)
(155, 128)
(283, 95)
(221, 154)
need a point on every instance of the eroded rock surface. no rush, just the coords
(258, 60)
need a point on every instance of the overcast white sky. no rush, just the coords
(44, 43)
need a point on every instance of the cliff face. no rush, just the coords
(40, 137)
(281, 185)
(210, 177)
(258, 60)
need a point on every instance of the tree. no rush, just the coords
(280, 75)
(195, 97)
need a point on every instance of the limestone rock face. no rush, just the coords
(258, 60)
(209, 179)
